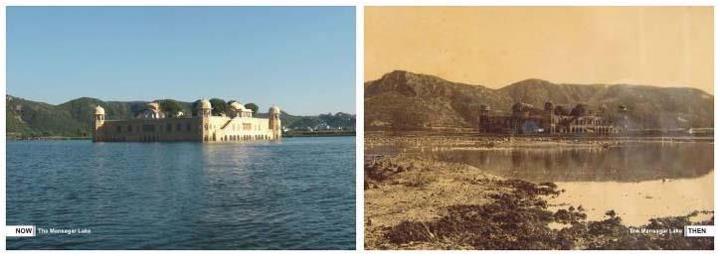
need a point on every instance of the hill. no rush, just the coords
(73, 118)
(402, 100)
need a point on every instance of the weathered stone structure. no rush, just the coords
(526, 119)
(153, 125)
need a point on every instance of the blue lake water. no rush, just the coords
(295, 194)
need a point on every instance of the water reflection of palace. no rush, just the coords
(527, 119)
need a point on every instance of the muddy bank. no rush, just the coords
(411, 203)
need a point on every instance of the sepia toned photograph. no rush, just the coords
(180, 128)
(538, 128)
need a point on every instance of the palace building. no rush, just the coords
(527, 119)
(152, 124)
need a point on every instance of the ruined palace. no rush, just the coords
(152, 124)
(527, 119)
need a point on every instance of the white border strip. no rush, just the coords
(359, 111)
(359, 127)
(358, 3)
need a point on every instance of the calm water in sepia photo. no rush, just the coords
(298, 193)
(639, 180)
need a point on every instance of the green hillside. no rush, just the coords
(26, 118)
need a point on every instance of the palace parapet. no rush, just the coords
(527, 119)
(151, 124)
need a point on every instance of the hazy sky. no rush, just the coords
(300, 58)
(496, 46)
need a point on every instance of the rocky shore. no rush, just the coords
(411, 203)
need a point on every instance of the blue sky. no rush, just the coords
(299, 58)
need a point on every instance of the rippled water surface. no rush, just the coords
(294, 194)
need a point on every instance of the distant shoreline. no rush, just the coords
(319, 134)
(332, 134)
(47, 138)
(580, 137)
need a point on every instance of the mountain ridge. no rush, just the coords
(402, 100)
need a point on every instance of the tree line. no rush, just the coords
(219, 107)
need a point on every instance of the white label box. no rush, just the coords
(20, 231)
(700, 231)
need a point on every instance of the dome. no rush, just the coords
(204, 104)
(237, 105)
(99, 110)
(549, 106)
(153, 106)
(274, 109)
(521, 107)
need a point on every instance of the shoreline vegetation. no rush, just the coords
(10, 137)
(415, 203)
(288, 135)
(329, 133)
